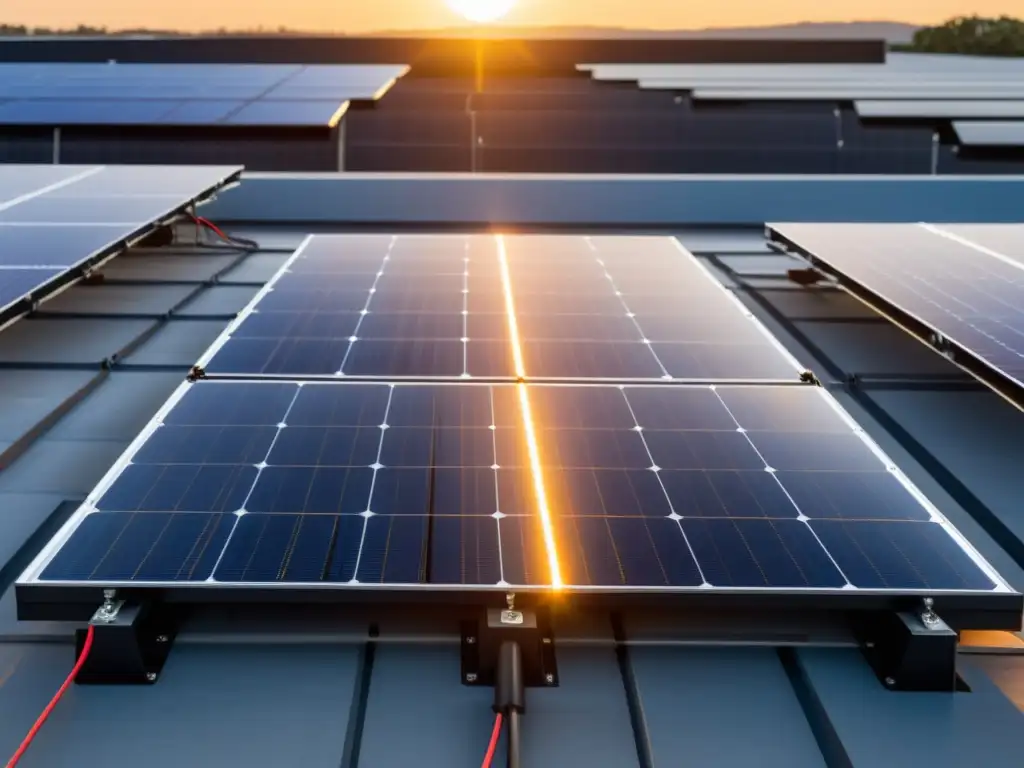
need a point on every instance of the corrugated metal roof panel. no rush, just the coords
(63, 341)
(717, 686)
(269, 707)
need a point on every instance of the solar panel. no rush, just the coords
(831, 93)
(940, 110)
(392, 486)
(990, 133)
(963, 292)
(472, 413)
(195, 94)
(437, 306)
(288, 113)
(55, 219)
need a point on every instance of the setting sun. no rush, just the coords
(481, 11)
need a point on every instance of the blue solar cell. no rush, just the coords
(590, 360)
(943, 278)
(57, 112)
(287, 113)
(297, 325)
(41, 245)
(270, 356)
(16, 284)
(200, 112)
(180, 487)
(625, 552)
(760, 553)
(143, 547)
(899, 555)
(312, 490)
(396, 358)
(50, 209)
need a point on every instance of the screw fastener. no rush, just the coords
(470, 677)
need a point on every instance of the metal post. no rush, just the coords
(56, 146)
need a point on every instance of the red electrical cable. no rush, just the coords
(27, 742)
(495, 735)
(211, 226)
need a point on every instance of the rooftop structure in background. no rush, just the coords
(526, 106)
(164, 95)
(497, 410)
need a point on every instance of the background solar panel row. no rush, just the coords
(993, 133)
(166, 112)
(965, 282)
(54, 218)
(181, 95)
(435, 306)
(651, 487)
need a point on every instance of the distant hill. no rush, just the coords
(890, 31)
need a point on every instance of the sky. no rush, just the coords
(355, 16)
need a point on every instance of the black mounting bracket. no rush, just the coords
(910, 650)
(481, 640)
(196, 373)
(131, 642)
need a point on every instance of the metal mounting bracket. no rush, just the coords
(131, 642)
(910, 650)
(482, 638)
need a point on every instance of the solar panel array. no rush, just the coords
(187, 94)
(55, 219)
(964, 282)
(990, 133)
(473, 413)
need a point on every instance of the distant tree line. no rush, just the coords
(972, 35)
(83, 30)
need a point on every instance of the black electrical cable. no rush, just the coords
(510, 696)
(513, 739)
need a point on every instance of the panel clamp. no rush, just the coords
(910, 650)
(482, 641)
(195, 373)
(131, 642)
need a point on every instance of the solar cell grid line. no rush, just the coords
(960, 297)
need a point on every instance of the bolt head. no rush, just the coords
(470, 640)
(470, 677)
(546, 640)
(162, 638)
(151, 676)
(890, 682)
(549, 679)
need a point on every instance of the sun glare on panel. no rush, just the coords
(481, 11)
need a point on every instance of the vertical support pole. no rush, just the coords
(341, 143)
(56, 146)
(935, 153)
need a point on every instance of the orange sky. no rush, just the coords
(365, 15)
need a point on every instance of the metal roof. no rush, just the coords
(310, 687)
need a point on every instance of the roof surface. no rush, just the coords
(259, 689)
